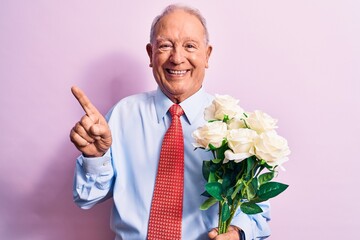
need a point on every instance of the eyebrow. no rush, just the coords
(160, 39)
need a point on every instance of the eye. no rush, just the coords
(190, 46)
(165, 46)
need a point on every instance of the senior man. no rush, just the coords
(126, 155)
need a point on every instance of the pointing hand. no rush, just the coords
(91, 135)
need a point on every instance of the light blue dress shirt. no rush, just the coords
(127, 171)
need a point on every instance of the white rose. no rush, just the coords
(260, 121)
(272, 148)
(223, 105)
(211, 133)
(236, 123)
(241, 142)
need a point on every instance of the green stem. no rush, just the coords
(220, 229)
(222, 225)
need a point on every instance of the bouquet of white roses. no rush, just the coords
(247, 152)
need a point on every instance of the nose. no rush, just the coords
(177, 55)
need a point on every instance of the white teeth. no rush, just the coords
(177, 72)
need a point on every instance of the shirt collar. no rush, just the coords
(191, 106)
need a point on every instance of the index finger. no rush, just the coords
(84, 101)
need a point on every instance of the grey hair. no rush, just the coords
(171, 8)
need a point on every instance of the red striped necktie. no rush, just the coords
(166, 207)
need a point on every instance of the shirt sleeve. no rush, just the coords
(93, 180)
(255, 226)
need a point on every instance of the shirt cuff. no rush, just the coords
(96, 165)
(243, 221)
(242, 234)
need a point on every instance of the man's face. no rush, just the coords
(179, 55)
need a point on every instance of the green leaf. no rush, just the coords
(206, 169)
(250, 208)
(250, 165)
(220, 152)
(212, 147)
(265, 164)
(208, 203)
(229, 192)
(214, 189)
(266, 177)
(255, 184)
(252, 188)
(212, 177)
(225, 212)
(237, 189)
(228, 198)
(226, 180)
(216, 160)
(205, 194)
(214, 166)
(271, 189)
(251, 192)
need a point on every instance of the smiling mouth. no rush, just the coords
(176, 72)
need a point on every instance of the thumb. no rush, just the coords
(99, 131)
(213, 233)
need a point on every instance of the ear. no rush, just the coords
(208, 53)
(149, 52)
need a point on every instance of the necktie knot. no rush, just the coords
(176, 110)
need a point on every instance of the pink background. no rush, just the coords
(299, 61)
